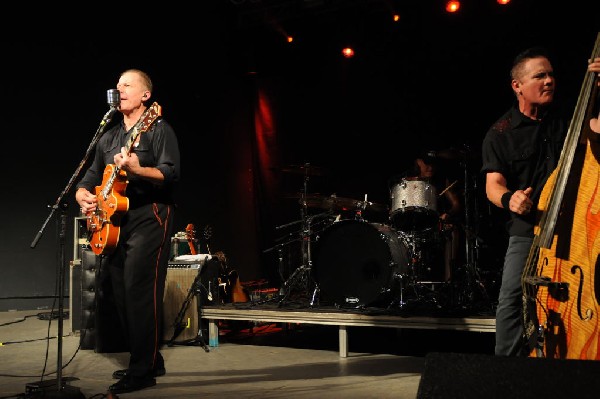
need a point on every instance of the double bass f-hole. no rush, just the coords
(588, 312)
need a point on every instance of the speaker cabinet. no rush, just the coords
(180, 305)
(469, 376)
(100, 325)
(80, 243)
(189, 286)
(74, 323)
(87, 298)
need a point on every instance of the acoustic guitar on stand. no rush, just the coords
(230, 281)
(103, 224)
(190, 235)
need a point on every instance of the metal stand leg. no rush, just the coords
(468, 281)
(302, 275)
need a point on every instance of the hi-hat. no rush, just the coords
(306, 169)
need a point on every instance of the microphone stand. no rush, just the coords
(60, 390)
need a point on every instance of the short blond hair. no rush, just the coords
(145, 77)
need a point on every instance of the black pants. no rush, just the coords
(138, 270)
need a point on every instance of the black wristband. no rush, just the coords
(505, 200)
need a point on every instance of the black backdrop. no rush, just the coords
(433, 81)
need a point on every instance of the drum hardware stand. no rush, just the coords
(471, 278)
(302, 274)
(399, 301)
(410, 278)
(178, 324)
(292, 234)
(424, 292)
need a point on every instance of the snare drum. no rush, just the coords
(414, 205)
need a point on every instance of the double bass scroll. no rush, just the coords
(561, 279)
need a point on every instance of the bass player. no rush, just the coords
(520, 151)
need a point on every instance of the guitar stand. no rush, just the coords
(178, 324)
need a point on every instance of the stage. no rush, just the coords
(284, 353)
(342, 318)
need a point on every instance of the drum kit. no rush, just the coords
(358, 263)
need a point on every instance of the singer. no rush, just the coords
(149, 170)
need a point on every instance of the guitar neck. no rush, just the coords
(141, 125)
(134, 135)
(117, 169)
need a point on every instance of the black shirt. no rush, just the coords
(157, 147)
(525, 152)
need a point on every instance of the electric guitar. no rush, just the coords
(103, 224)
(207, 235)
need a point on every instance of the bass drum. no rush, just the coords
(359, 264)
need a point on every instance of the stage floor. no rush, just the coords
(252, 359)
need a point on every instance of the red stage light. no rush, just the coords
(348, 52)
(452, 6)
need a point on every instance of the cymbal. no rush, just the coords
(311, 200)
(340, 204)
(450, 154)
(302, 195)
(456, 154)
(306, 169)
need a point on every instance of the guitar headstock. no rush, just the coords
(189, 235)
(207, 232)
(152, 113)
(147, 119)
(190, 232)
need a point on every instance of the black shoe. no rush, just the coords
(130, 384)
(117, 375)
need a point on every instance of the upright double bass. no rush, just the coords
(561, 279)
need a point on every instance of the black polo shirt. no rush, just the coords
(525, 152)
(157, 147)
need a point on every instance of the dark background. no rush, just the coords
(431, 81)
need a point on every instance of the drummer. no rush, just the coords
(449, 206)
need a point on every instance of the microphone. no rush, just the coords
(113, 98)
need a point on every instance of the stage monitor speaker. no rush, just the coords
(476, 376)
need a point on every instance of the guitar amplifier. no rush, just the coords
(188, 286)
(180, 278)
(181, 246)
